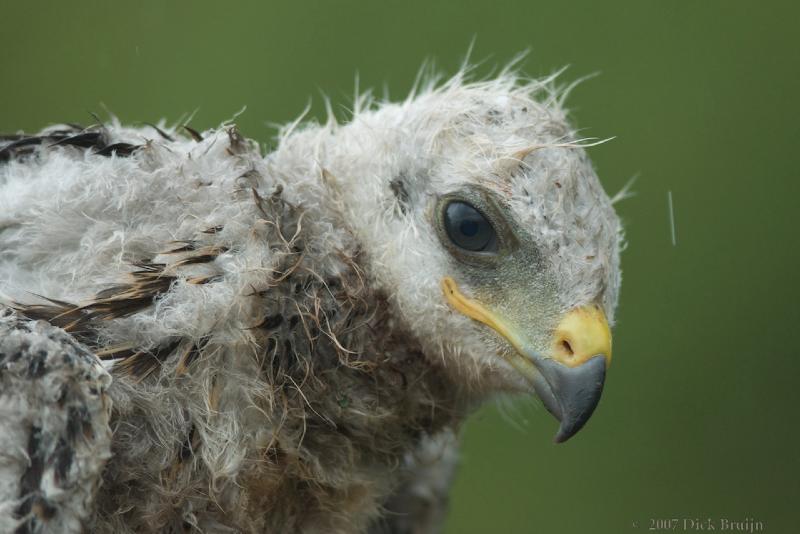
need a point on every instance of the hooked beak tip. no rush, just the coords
(571, 394)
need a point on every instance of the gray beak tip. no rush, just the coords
(571, 394)
(561, 436)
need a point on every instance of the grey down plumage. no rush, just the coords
(196, 337)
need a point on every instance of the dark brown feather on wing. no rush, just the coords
(141, 363)
(147, 283)
(95, 138)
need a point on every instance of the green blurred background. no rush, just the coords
(699, 419)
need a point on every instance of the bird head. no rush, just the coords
(482, 218)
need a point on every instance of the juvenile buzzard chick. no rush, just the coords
(289, 342)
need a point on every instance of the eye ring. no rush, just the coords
(468, 229)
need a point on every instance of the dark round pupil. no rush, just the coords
(468, 229)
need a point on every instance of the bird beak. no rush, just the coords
(569, 380)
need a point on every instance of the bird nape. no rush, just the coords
(225, 341)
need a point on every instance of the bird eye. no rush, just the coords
(467, 228)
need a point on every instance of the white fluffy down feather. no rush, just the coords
(280, 352)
